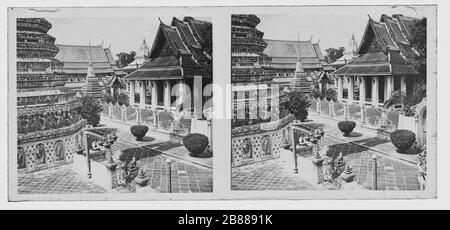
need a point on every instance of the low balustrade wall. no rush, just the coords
(365, 115)
(157, 120)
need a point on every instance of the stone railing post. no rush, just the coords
(318, 107)
(363, 115)
(331, 104)
(110, 110)
(124, 112)
(155, 119)
(346, 110)
(139, 116)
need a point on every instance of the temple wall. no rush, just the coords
(48, 153)
(255, 143)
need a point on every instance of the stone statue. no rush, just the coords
(21, 158)
(40, 154)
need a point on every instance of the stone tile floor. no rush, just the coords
(186, 178)
(392, 174)
(272, 175)
(58, 180)
(267, 175)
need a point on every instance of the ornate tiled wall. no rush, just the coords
(47, 153)
(252, 148)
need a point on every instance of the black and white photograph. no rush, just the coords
(305, 104)
(333, 100)
(113, 104)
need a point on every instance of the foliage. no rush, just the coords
(331, 94)
(333, 54)
(195, 143)
(122, 99)
(123, 58)
(298, 105)
(139, 131)
(90, 110)
(418, 41)
(346, 127)
(403, 139)
(397, 97)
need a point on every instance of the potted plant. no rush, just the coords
(346, 127)
(403, 139)
(195, 143)
(139, 131)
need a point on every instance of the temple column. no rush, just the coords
(132, 92)
(181, 91)
(362, 91)
(142, 93)
(339, 89)
(403, 84)
(375, 85)
(350, 90)
(167, 95)
(197, 92)
(389, 86)
(154, 95)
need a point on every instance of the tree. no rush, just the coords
(123, 58)
(90, 110)
(333, 54)
(418, 40)
(298, 105)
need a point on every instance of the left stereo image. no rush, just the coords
(110, 105)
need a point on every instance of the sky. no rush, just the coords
(123, 34)
(332, 25)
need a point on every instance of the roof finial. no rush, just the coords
(160, 20)
(370, 18)
(90, 59)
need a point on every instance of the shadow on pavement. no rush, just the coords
(164, 146)
(205, 154)
(371, 142)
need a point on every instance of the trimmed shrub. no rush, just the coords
(403, 139)
(90, 110)
(195, 143)
(346, 127)
(139, 131)
(298, 105)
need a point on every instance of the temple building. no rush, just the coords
(382, 65)
(350, 53)
(178, 69)
(141, 58)
(48, 123)
(284, 55)
(260, 119)
(76, 64)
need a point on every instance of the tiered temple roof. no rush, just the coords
(75, 59)
(248, 60)
(46, 109)
(385, 49)
(284, 54)
(181, 49)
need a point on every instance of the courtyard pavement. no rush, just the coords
(188, 174)
(59, 180)
(392, 173)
